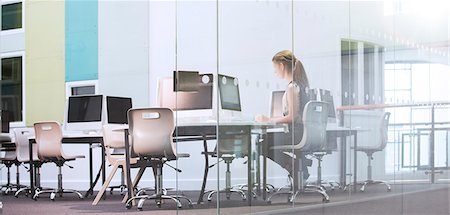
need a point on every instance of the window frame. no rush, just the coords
(17, 30)
(24, 105)
(87, 83)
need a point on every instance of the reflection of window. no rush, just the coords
(12, 16)
(361, 69)
(81, 88)
(11, 87)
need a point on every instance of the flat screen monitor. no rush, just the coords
(117, 109)
(312, 93)
(192, 100)
(229, 93)
(186, 81)
(276, 107)
(84, 112)
(325, 96)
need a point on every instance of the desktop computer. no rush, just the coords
(84, 113)
(187, 105)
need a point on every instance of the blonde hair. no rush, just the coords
(292, 65)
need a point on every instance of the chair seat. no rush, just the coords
(183, 155)
(368, 149)
(72, 157)
(5, 138)
(9, 156)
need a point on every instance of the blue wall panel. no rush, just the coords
(81, 40)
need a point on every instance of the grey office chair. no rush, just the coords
(151, 131)
(315, 116)
(232, 144)
(48, 140)
(369, 150)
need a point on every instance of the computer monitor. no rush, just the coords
(312, 94)
(117, 109)
(195, 100)
(229, 93)
(84, 113)
(186, 81)
(276, 107)
(325, 96)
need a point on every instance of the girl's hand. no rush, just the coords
(262, 118)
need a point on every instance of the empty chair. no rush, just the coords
(314, 118)
(151, 131)
(378, 146)
(49, 145)
(23, 153)
(232, 144)
(9, 158)
(112, 140)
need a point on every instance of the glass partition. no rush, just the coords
(280, 107)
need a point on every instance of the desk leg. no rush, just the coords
(343, 161)
(91, 171)
(103, 163)
(130, 187)
(249, 170)
(264, 152)
(205, 173)
(30, 150)
(355, 163)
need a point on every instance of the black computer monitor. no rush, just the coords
(186, 81)
(84, 113)
(276, 107)
(229, 93)
(326, 96)
(117, 108)
(192, 100)
(85, 108)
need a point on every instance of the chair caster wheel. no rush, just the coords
(325, 200)
(269, 202)
(128, 206)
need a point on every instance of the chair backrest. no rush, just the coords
(112, 140)
(315, 117)
(48, 139)
(384, 130)
(151, 132)
(233, 140)
(21, 140)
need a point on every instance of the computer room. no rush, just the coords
(225, 107)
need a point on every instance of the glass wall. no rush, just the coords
(279, 106)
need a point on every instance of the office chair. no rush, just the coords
(23, 155)
(48, 140)
(369, 150)
(232, 144)
(155, 146)
(314, 118)
(9, 159)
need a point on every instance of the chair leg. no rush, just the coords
(135, 182)
(59, 190)
(105, 185)
(158, 196)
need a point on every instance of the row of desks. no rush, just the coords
(203, 132)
